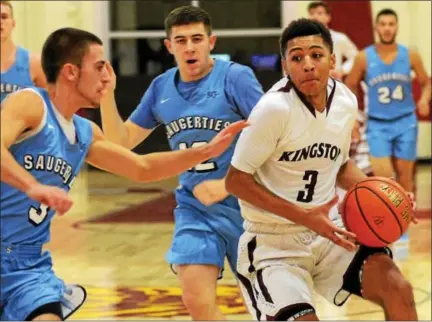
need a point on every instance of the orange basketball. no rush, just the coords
(377, 210)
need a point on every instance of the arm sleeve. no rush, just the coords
(258, 142)
(143, 115)
(243, 89)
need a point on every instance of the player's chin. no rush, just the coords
(310, 88)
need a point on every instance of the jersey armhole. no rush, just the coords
(26, 135)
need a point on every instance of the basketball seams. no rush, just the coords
(364, 217)
(391, 210)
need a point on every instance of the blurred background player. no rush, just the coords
(385, 70)
(392, 126)
(193, 101)
(344, 48)
(19, 68)
(43, 147)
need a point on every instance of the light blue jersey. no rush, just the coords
(27, 279)
(18, 75)
(392, 127)
(389, 93)
(193, 113)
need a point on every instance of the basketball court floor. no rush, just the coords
(115, 238)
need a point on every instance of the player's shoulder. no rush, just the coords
(235, 69)
(337, 34)
(279, 97)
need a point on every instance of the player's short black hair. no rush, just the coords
(304, 27)
(186, 15)
(65, 45)
(317, 4)
(386, 12)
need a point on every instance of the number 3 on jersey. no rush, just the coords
(38, 215)
(311, 177)
(206, 166)
(385, 97)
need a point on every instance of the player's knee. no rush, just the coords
(297, 312)
(398, 289)
(196, 301)
(384, 283)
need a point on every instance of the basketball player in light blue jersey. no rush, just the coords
(392, 127)
(194, 102)
(19, 68)
(43, 147)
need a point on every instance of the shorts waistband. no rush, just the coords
(21, 250)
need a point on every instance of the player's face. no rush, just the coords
(93, 76)
(308, 62)
(386, 28)
(319, 14)
(191, 46)
(7, 22)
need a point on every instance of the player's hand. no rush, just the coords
(53, 197)
(210, 191)
(223, 140)
(317, 220)
(413, 206)
(413, 203)
(423, 107)
(112, 79)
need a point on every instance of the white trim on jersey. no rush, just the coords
(26, 135)
(290, 148)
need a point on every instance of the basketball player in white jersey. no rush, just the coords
(284, 171)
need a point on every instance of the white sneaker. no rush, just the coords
(74, 296)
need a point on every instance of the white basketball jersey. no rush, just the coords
(293, 150)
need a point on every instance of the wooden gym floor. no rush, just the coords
(115, 238)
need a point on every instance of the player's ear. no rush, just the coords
(284, 65)
(167, 44)
(332, 61)
(70, 71)
(212, 40)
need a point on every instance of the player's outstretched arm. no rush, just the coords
(126, 134)
(21, 112)
(155, 166)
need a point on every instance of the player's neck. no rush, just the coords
(64, 102)
(387, 47)
(318, 101)
(8, 48)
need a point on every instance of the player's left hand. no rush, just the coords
(413, 206)
(423, 107)
(413, 203)
(210, 192)
(224, 138)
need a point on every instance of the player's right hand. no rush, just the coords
(224, 138)
(317, 219)
(53, 197)
(112, 80)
